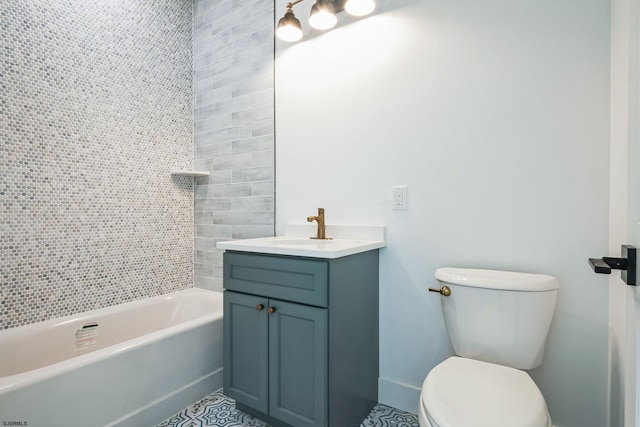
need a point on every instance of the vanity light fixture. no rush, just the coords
(289, 28)
(322, 17)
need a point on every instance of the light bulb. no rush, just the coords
(360, 7)
(289, 33)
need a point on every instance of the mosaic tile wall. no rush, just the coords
(95, 110)
(234, 127)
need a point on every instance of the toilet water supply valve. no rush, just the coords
(445, 291)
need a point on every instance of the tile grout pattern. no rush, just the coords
(96, 110)
(217, 410)
(233, 85)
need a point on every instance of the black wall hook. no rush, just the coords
(627, 263)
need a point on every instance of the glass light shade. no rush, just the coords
(323, 15)
(289, 28)
(359, 7)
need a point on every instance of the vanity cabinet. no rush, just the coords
(301, 337)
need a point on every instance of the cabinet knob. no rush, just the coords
(271, 310)
(260, 307)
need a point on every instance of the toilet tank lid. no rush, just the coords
(496, 279)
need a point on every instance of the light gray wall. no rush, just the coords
(495, 114)
(234, 128)
(95, 110)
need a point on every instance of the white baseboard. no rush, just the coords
(398, 395)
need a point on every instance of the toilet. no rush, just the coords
(497, 322)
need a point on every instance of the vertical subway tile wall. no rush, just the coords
(234, 127)
(96, 108)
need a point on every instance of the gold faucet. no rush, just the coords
(321, 227)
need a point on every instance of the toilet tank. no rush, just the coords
(501, 317)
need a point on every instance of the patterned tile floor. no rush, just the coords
(217, 410)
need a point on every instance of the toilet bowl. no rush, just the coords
(497, 322)
(465, 392)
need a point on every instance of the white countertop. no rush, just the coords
(304, 246)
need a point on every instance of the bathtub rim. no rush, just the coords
(23, 379)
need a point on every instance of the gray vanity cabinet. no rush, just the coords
(301, 337)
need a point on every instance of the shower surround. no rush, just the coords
(234, 127)
(95, 110)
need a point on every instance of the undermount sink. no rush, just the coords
(304, 242)
(302, 246)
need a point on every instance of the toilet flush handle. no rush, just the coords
(444, 291)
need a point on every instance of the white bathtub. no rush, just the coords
(133, 364)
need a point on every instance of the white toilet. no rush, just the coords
(497, 322)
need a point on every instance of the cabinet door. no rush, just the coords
(245, 349)
(298, 363)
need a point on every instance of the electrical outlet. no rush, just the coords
(399, 197)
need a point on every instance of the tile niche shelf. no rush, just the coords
(189, 173)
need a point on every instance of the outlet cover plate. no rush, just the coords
(399, 197)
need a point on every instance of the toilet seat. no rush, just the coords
(463, 392)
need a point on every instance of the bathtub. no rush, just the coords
(133, 364)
